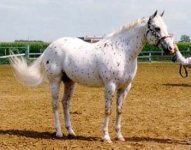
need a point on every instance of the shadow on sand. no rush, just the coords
(48, 135)
(177, 85)
(44, 135)
(156, 140)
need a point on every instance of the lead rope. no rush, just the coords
(185, 71)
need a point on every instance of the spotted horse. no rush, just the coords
(110, 63)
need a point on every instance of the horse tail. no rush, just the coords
(30, 75)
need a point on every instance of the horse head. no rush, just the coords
(157, 33)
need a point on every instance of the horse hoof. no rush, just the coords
(120, 139)
(188, 142)
(107, 140)
(57, 136)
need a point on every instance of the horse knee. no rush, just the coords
(119, 110)
(54, 105)
(65, 101)
(108, 112)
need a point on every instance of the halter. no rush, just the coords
(160, 39)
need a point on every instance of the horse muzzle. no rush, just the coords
(165, 46)
(169, 50)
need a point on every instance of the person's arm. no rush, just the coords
(180, 58)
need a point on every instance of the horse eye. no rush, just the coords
(157, 29)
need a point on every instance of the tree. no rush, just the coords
(185, 38)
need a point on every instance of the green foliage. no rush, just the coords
(34, 46)
(184, 46)
(185, 38)
(150, 47)
(39, 46)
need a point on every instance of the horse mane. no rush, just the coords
(127, 27)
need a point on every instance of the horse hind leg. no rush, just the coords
(69, 86)
(54, 88)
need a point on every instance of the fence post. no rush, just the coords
(27, 52)
(150, 59)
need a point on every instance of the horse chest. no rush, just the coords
(121, 74)
(126, 77)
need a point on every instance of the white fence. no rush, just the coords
(27, 54)
(148, 56)
(5, 53)
(7, 56)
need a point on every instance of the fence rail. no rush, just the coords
(148, 56)
(7, 56)
(18, 50)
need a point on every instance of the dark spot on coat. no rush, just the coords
(47, 62)
(105, 45)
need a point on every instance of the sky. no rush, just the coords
(48, 20)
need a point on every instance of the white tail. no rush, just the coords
(31, 75)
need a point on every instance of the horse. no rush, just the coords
(110, 63)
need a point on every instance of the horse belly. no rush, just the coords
(82, 70)
(89, 78)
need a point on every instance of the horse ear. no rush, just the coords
(162, 14)
(151, 17)
(155, 13)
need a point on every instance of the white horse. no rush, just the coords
(111, 62)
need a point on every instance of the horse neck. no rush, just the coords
(132, 41)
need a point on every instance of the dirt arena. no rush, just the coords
(156, 115)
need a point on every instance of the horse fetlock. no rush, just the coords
(118, 128)
(119, 135)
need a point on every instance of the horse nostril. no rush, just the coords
(170, 48)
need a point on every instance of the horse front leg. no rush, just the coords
(109, 93)
(121, 96)
(68, 92)
(54, 88)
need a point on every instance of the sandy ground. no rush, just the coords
(156, 115)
